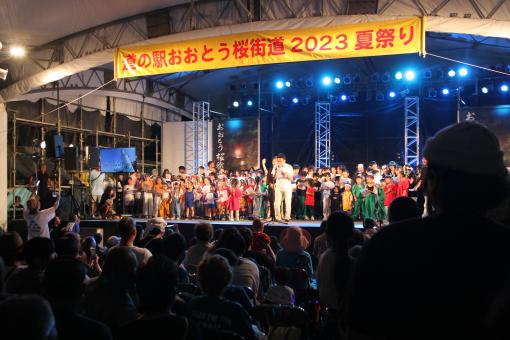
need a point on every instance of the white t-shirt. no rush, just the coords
(282, 174)
(326, 188)
(326, 280)
(96, 182)
(37, 225)
(142, 255)
(246, 274)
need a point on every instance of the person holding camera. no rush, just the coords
(37, 220)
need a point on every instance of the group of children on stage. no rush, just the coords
(247, 194)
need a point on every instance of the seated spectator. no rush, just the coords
(155, 229)
(27, 317)
(203, 235)
(444, 276)
(261, 240)
(11, 248)
(174, 247)
(275, 244)
(156, 283)
(128, 232)
(112, 242)
(369, 228)
(112, 297)
(38, 252)
(402, 208)
(89, 256)
(212, 312)
(320, 244)
(356, 244)
(281, 293)
(265, 257)
(293, 254)
(68, 245)
(64, 287)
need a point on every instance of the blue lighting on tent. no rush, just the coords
(392, 94)
(410, 75)
(463, 72)
(326, 81)
(451, 73)
(398, 75)
(279, 84)
(234, 124)
(295, 100)
(445, 91)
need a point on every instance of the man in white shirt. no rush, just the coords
(37, 220)
(127, 231)
(97, 179)
(283, 174)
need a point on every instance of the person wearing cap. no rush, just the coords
(284, 174)
(445, 276)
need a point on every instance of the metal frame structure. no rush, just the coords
(322, 134)
(201, 134)
(412, 131)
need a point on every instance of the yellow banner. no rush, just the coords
(270, 47)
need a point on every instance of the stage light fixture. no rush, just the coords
(295, 100)
(43, 145)
(375, 77)
(71, 145)
(337, 80)
(279, 84)
(353, 98)
(347, 79)
(249, 102)
(432, 92)
(17, 51)
(398, 75)
(463, 72)
(379, 96)
(410, 75)
(485, 90)
(427, 74)
(3, 73)
(504, 88)
(343, 97)
(309, 82)
(451, 73)
(445, 91)
(385, 77)
(326, 81)
(392, 94)
(235, 103)
(287, 83)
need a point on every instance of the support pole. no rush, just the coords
(322, 134)
(81, 136)
(3, 167)
(143, 135)
(412, 131)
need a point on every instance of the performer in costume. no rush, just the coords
(357, 188)
(373, 200)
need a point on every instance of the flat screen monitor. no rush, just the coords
(118, 160)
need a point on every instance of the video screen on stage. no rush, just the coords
(236, 143)
(497, 119)
(118, 160)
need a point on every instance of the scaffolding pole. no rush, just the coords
(200, 134)
(412, 131)
(322, 134)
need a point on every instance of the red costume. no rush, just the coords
(403, 187)
(390, 191)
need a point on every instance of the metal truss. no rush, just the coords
(322, 134)
(201, 134)
(412, 131)
(189, 146)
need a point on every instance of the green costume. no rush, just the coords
(356, 194)
(373, 203)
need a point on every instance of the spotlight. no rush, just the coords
(17, 51)
(347, 79)
(485, 90)
(279, 84)
(410, 75)
(385, 77)
(445, 91)
(343, 97)
(451, 73)
(504, 88)
(250, 103)
(398, 75)
(326, 81)
(353, 98)
(337, 80)
(295, 100)
(287, 83)
(463, 72)
(392, 94)
(432, 93)
(71, 145)
(43, 145)
(427, 74)
(235, 103)
(3, 73)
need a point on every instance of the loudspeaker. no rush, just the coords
(91, 156)
(58, 143)
(71, 159)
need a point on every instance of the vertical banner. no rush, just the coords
(367, 39)
(236, 143)
(497, 119)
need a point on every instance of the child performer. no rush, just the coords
(222, 200)
(301, 197)
(347, 199)
(234, 201)
(373, 200)
(211, 198)
(189, 200)
(335, 199)
(157, 192)
(390, 192)
(310, 200)
(164, 209)
(258, 198)
(357, 188)
(177, 200)
(326, 187)
(129, 197)
(148, 199)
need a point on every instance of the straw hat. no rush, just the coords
(295, 239)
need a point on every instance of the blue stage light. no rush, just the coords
(445, 91)
(337, 80)
(235, 103)
(463, 72)
(287, 83)
(410, 75)
(249, 102)
(392, 94)
(279, 84)
(504, 88)
(451, 73)
(326, 81)
(485, 90)
(295, 100)
(398, 75)
(343, 97)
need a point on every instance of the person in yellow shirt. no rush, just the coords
(347, 199)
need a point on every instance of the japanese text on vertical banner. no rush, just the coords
(268, 47)
(220, 153)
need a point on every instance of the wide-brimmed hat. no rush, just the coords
(295, 239)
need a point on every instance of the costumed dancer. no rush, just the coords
(357, 188)
(373, 200)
